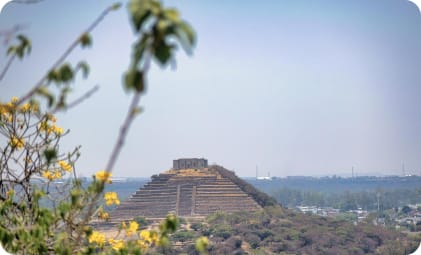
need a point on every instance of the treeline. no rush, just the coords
(347, 200)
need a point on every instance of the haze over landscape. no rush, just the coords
(295, 87)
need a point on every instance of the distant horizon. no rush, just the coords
(343, 175)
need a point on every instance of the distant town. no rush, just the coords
(391, 201)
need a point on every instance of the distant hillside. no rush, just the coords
(281, 231)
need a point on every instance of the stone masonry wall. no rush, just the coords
(186, 163)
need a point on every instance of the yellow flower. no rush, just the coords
(43, 126)
(51, 117)
(65, 166)
(51, 175)
(8, 117)
(16, 142)
(133, 226)
(35, 106)
(48, 175)
(7, 111)
(111, 198)
(103, 215)
(14, 100)
(150, 237)
(142, 244)
(25, 107)
(57, 130)
(10, 192)
(97, 237)
(103, 176)
(116, 244)
(57, 175)
(202, 244)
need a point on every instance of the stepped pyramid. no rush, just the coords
(190, 193)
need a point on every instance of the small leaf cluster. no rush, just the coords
(44, 207)
(23, 47)
(159, 29)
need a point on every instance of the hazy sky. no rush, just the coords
(297, 87)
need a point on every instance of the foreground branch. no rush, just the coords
(66, 54)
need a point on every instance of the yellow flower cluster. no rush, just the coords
(202, 244)
(116, 244)
(142, 244)
(147, 238)
(17, 142)
(131, 229)
(6, 113)
(97, 237)
(48, 128)
(103, 215)
(111, 198)
(103, 176)
(8, 110)
(51, 175)
(25, 107)
(10, 192)
(150, 237)
(65, 166)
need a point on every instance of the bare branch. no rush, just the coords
(65, 55)
(6, 68)
(85, 96)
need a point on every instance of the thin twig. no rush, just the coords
(9, 63)
(85, 96)
(117, 148)
(64, 56)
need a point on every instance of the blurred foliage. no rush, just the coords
(45, 208)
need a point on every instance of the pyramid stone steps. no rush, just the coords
(185, 192)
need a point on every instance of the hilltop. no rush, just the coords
(276, 230)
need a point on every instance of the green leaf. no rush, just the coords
(85, 68)
(11, 50)
(25, 44)
(172, 14)
(50, 154)
(66, 73)
(115, 6)
(43, 91)
(134, 79)
(139, 49)
(163, 26)
(171, 223)
(188, 31)
(85, 40)
(140, 12)
(163, 52)
(53, 75)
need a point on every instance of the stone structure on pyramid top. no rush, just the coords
(191, 192)
(187, 163)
